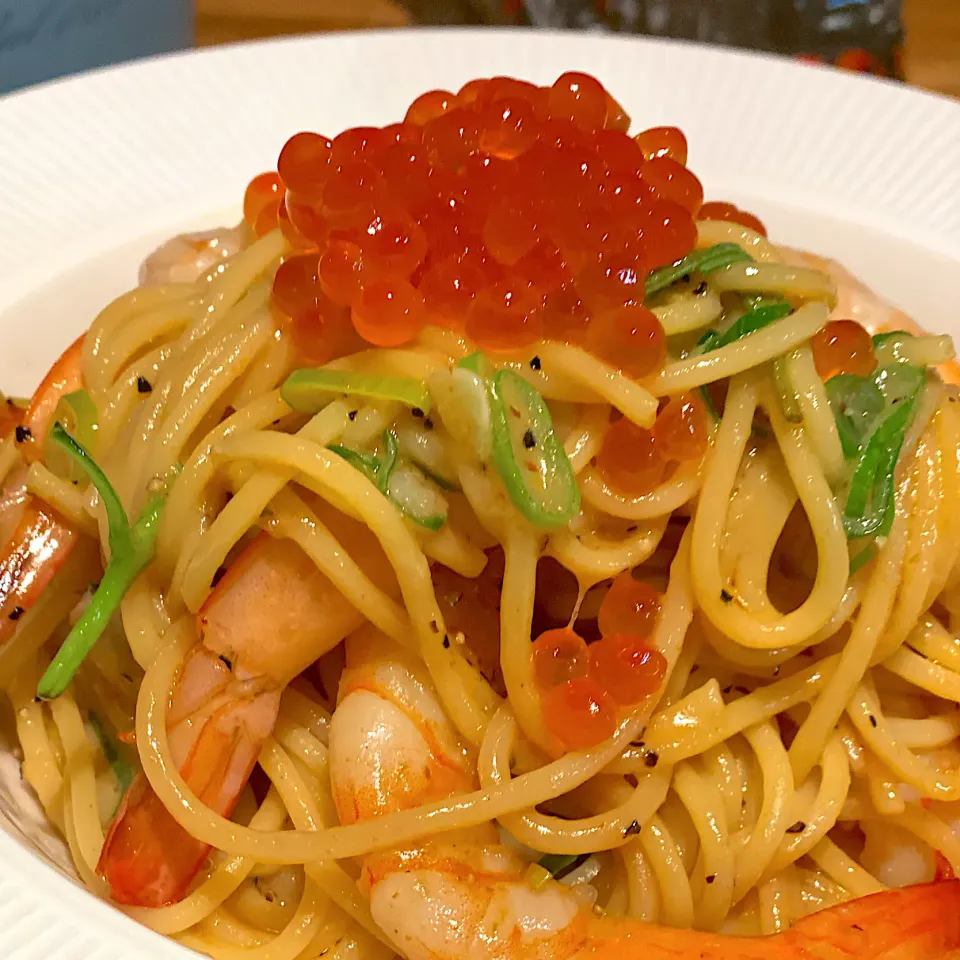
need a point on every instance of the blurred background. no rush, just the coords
(915, 40)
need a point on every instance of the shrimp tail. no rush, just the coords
(148, 858)
(916, 923)
(40, 545)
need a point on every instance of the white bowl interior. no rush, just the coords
(169, 144)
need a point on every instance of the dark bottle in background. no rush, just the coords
(862, 35)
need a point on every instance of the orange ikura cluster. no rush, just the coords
(634, 461)
(582, 688)
(507, 211)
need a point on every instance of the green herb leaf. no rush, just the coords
(862, 557)
(560, 864)
(749, 323)
(700, 261)
(131, 549)
(857, 403)
(367, 463)
(388, 463)
(121, 770)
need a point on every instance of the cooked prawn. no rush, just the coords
(856, 301)
(466, 895)
(188, 256)
(36, 539)
(270, 616)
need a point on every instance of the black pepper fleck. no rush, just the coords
(632, 529)
(144, 385)
(637, 743)
(22, 433)
(534, 363)
(529, 440)
(127, 677)
(633, 829)
(16, 613)
(710, 877)
(651, 758)
(726, 596)
(727, 689)
(417, 412)
(685, 278)
(352, 415)
(427, 423)
(434, 626)
(701, 288)
(797, 827)
(776, 670)
(873, 720)
(446, 642)
(856, 926)
(226, 660)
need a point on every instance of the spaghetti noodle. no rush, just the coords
(675, 558)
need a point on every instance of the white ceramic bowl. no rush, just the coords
(95, 170)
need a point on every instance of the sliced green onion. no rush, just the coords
(121, 770)
(388, 462)
(902, 347)
(463, 403)
(537, 876)
(528, 454)
(78, 414)
(428, 452)
(477, 363)
(879, 339)
(417, 497)
(367, 463)
(700, 261)
(560, 864)
(862, 557)
(402, 484)
(708, 402)
(309, 390)
(751, 322)
(131, 549)
(856, 403)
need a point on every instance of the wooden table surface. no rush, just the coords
(932, 26)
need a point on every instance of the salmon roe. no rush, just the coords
(505, 210)
(732, 214)
(629, 460)
(663, 142)
(629, 338)
(579, 713)
(842, 346)
(631, 607)
(627, 667)
(558, 656)
(680, 431)
(263, 189)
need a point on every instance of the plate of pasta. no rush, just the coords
(479, 494)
